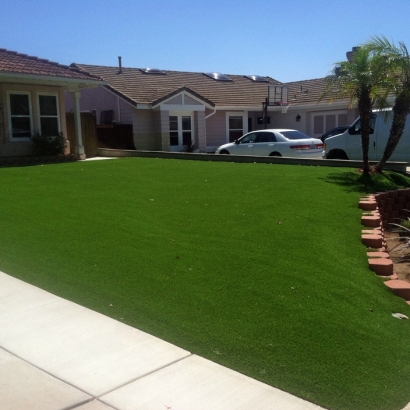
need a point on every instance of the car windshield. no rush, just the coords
(294, 135)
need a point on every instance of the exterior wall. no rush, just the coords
(100, 99)
(9, 148)
(144, 129)
(200, 130)
(215, 128)
(162, 130)
(288, 119)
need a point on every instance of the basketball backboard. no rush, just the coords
(278, 95)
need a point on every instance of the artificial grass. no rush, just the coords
(257, 267)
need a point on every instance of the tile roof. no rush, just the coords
(142, 88)
(308, 92)
(12, 62)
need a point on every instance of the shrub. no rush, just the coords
(189, 147)
(48, 145)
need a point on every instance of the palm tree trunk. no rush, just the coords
(400, 111)
(365, 112)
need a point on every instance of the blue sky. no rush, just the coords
(288, 40)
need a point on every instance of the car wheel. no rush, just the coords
(275, 154)
(224, 151)
(337, 154)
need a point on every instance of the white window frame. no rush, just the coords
(179, 116)
(48, 116)
(244, 116)
(10, 116)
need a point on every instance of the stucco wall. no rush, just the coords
(143, 129)
(215, 128)
(200, 130)
(101, 99)
(23, 148)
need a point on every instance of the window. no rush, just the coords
(173, 130)
(235, 124)
(106, 117)
(265, 137)
(48, 111)
(356, 128)
(186, 131)
(260, 120)
(180, 130)
(248, 139)
(20, 115)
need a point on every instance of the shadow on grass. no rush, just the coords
(357, 182)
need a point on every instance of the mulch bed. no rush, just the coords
(399, 251)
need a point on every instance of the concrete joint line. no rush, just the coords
(143, 375)
(52, 375)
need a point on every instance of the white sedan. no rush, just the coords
(276, 143)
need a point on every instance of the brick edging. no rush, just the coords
(378, 211)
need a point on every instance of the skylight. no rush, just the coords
(218, 76)
(152, 71)
(257, 78)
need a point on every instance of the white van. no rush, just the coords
(349, 144)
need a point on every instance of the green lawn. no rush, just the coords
(257, 267)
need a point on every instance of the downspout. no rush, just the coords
(211, 114)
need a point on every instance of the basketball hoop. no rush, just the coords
(284, 106)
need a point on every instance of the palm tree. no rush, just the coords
(360, 79)
(396, 61)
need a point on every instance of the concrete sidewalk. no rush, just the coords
(55, 354)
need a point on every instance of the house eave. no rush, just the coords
(69, 83)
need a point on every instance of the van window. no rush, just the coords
(356, 128)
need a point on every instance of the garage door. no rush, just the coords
(325, 121)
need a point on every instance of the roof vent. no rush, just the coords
(257, 78)
(152, 71)
(218, 76)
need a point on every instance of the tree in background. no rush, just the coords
(395, 63)
(361, 80)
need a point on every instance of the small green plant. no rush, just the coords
(48, 145)
(404, 228)
(405, 223)
(189, 147)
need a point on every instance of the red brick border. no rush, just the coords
(380, 210)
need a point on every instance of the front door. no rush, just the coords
(180, 132)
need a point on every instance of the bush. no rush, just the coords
(189, 147)
(48, 145)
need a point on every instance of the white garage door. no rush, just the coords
(325, 121)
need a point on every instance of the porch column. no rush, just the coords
(164, 124)
(79, 149)
(200, 128)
